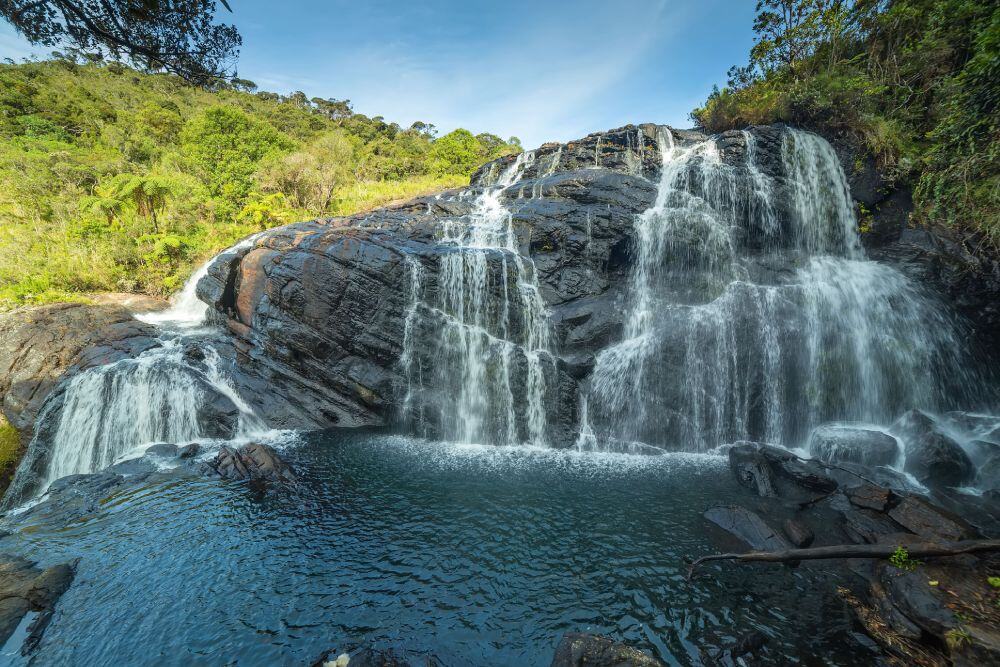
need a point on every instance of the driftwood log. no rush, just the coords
(914, 550)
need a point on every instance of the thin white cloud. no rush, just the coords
(14, 46)
(537, 83)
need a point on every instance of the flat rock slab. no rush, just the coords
(747, 526)
(869, 496)
(798, 533)
(929, 522)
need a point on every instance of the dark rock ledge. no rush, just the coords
(937, 612)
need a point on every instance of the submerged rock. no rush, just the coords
(370, 657)
(582, 650)
(835, 443)
(932, 456)
(748, 644)
(24, 588)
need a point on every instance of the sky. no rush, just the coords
(540, 70)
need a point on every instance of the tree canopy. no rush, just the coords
(178, 36)
(913, 82)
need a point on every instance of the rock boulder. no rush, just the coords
(835, 443)
(582, 650)
(932, 456)
(255, 462)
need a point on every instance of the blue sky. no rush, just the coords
(542, 70)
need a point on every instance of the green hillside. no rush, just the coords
(116, 180)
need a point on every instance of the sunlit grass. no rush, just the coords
(365, 196)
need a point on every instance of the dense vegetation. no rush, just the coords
(10, 451)
(915, 82)
(113, 179)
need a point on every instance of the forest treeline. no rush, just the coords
(914, 82)
(112, 179)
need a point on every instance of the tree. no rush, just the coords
(789, 31)
(147, 193)
(264, 211)
(224, 146)
(309, 177)
(179, 36)
(333, 109)
(457, 152)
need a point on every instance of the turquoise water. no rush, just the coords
(478, 555)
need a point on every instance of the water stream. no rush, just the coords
(176, 392)
(743, 324)
(490, 324)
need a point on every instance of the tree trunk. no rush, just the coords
(915, 550)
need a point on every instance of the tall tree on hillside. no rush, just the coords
(178, 36)
(788, 31)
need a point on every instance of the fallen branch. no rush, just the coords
(914, 550)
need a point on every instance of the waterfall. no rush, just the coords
(160, 396)
(187, 310)
(175, 392)
(492, 338)
(719, 346)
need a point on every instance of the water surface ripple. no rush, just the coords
(479, 555)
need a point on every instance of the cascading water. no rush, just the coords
(492, 343)
(160, 396)
(175, 392)
(187, 310)
(751, 320)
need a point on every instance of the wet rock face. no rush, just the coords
(958, 269)
(40, 346)
(335, 322)
(838, 444)
(988, 477)
(932, 456)
(953, 263)
(319, 310)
